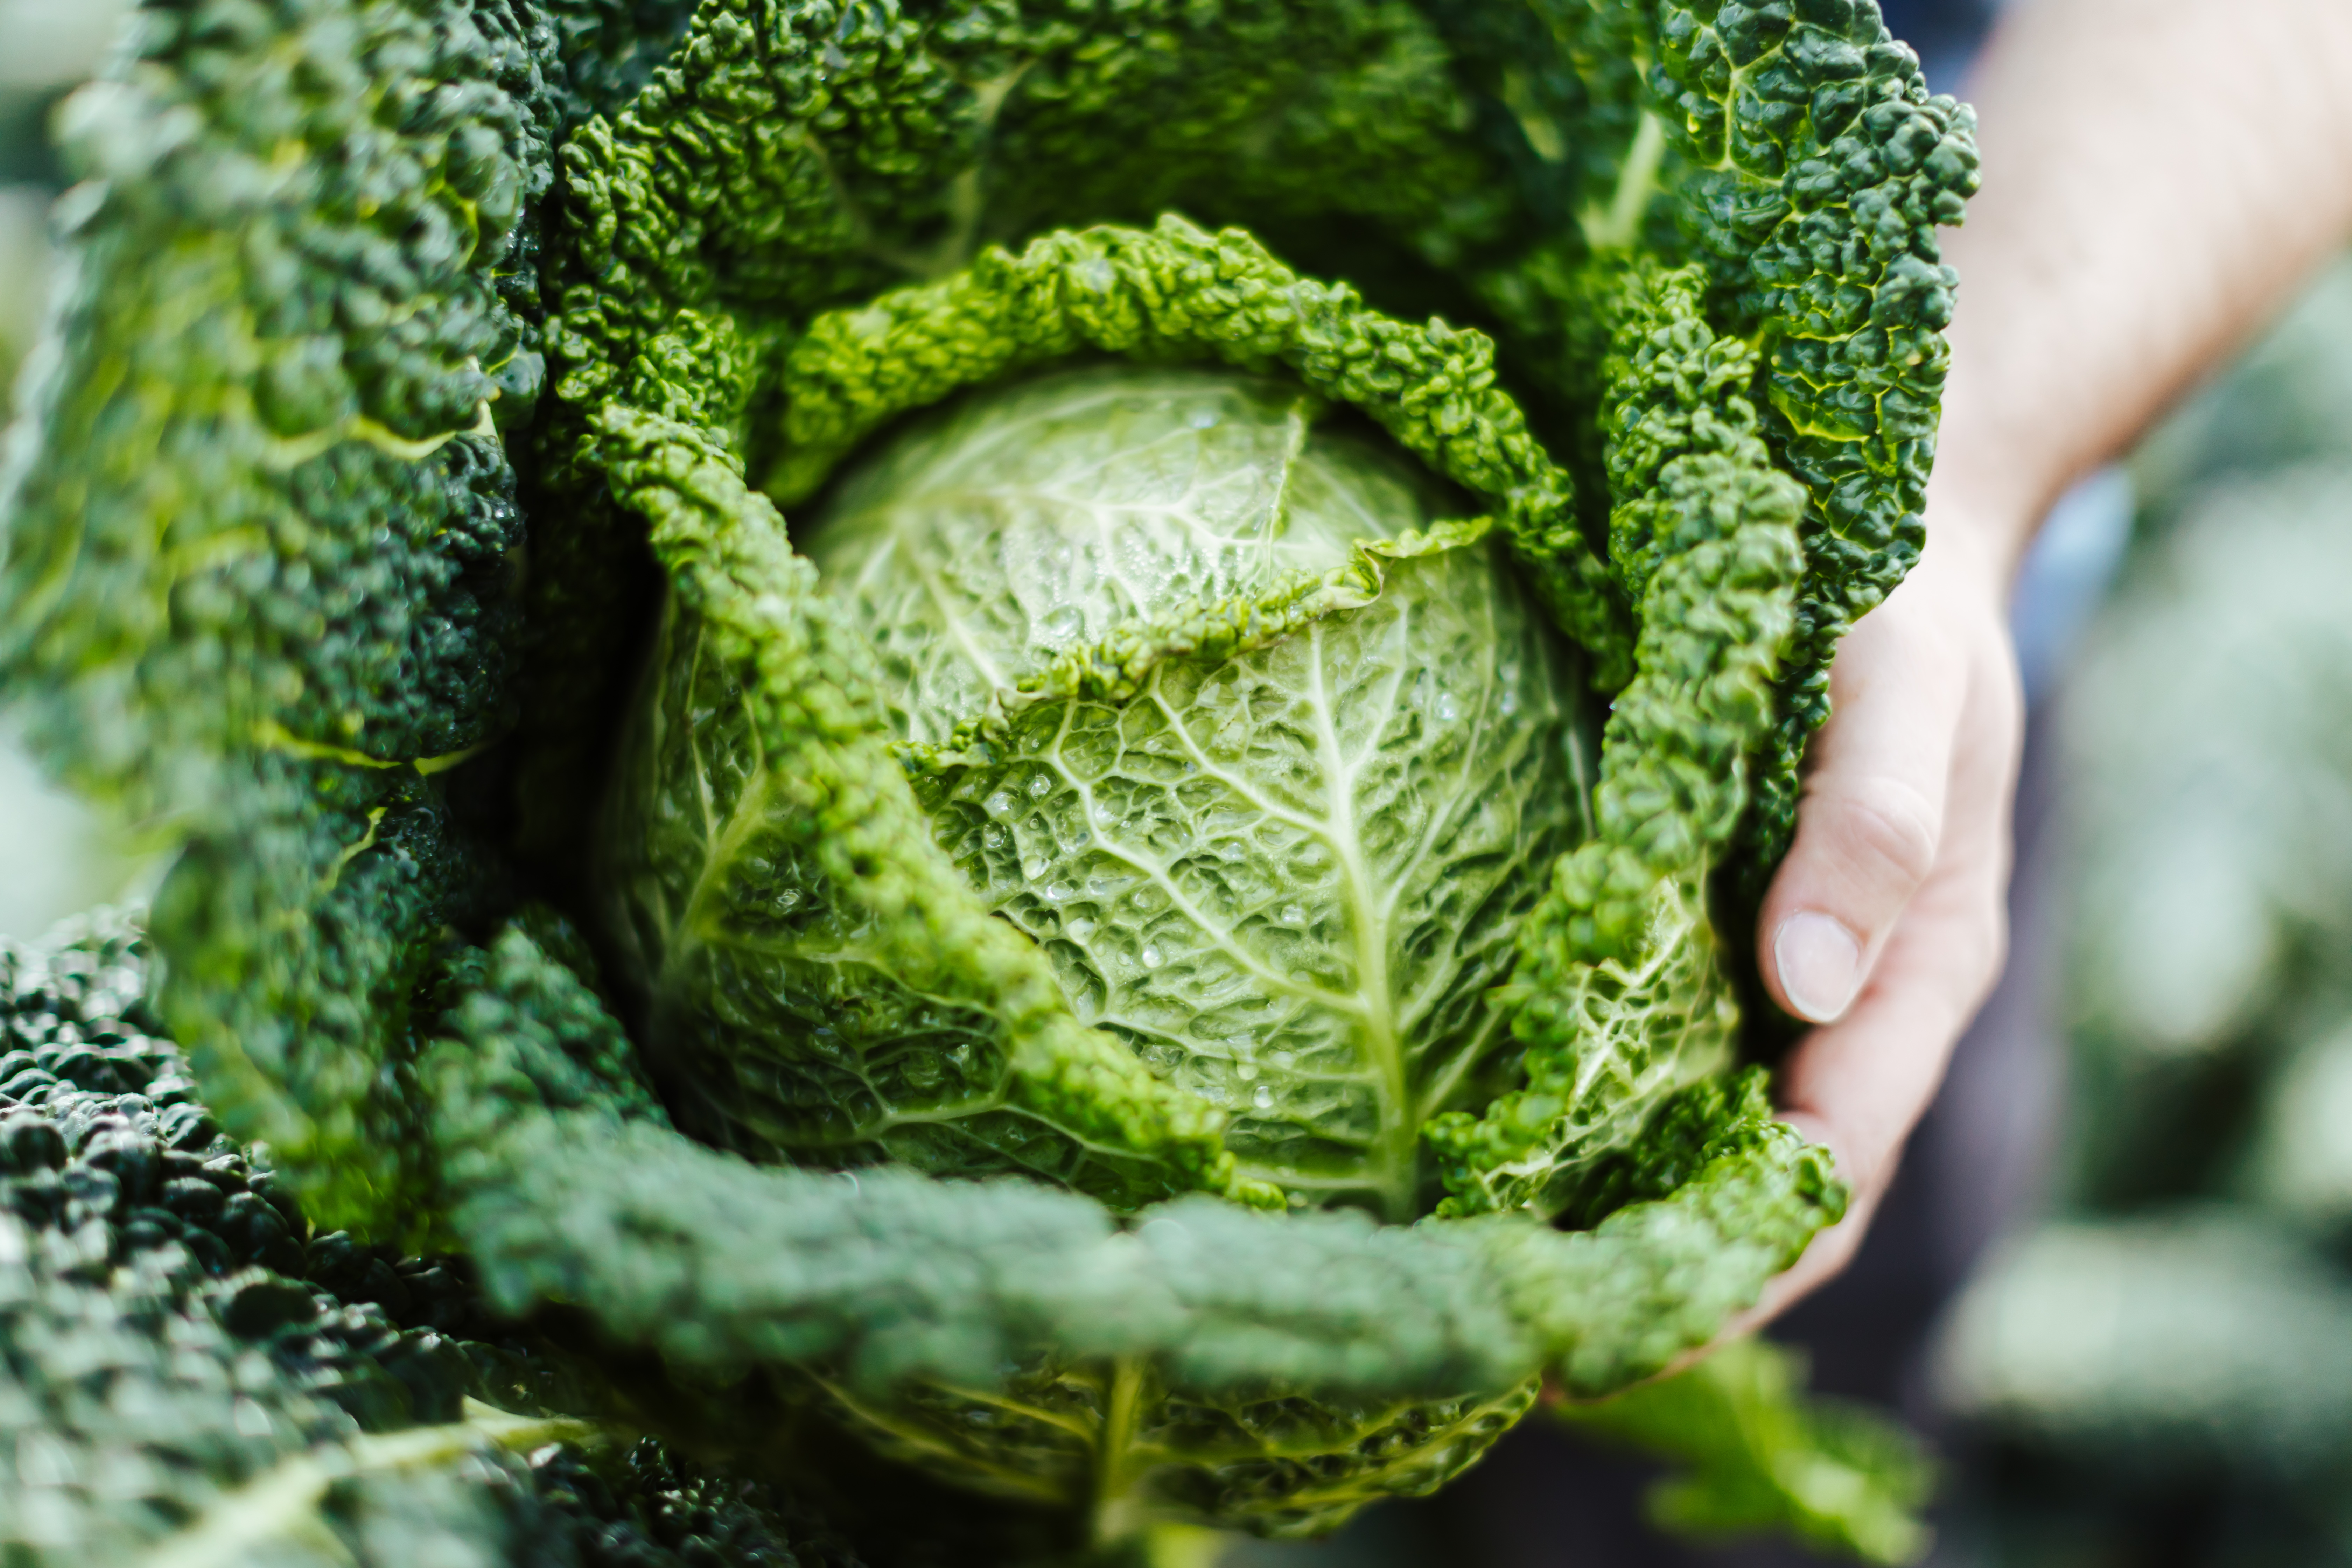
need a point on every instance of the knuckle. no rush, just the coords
(1887, 825)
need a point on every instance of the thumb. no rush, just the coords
(1872, 817)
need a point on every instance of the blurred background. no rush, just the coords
(2110, 1287)
(55, 858)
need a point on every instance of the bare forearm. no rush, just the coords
(2159, 176)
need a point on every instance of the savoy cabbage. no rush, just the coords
(715, 589)
(1287, 879)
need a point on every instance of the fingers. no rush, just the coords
(1865, 1079)
(1871, 824)
(1886, 923)
(1860, 1085)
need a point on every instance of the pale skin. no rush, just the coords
(2159, 178)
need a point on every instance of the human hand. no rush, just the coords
(1886, 923)
(2120, 247)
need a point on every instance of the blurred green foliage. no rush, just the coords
(57, 858)
(1756, 1458)
(45, 48)
(2164, 1372)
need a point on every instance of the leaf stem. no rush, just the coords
(1637, 181)
(1117, 1512)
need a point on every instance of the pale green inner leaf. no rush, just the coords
(1034, 521)
(1288, 880)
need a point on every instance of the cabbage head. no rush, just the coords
(1030, 728)
(1286, 874)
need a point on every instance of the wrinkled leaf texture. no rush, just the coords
(391, 331)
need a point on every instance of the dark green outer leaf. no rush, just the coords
(566, 1188)
(261, 527)
(259, 520)
(1292, 1367)
(186, 1371)
(1620, 997)
(1819, 169)
(1806, 167)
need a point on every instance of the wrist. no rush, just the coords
(2002, 463)
(1976, 543)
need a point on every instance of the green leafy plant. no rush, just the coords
(1343, 823)
(1755, 1458)
(189, 1375)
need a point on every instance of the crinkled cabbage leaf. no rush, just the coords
(416, 362)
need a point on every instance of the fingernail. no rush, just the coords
(1821, 965)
